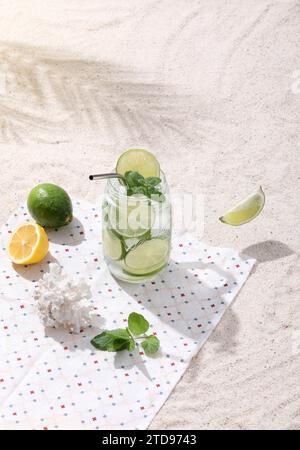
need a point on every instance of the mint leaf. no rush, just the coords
(131, 344)
(113, 340)
(151, 345)
(134, 179)
(152, 181)
(137, 324)
(138, 190)
(119, 333)
(154, 194)
(125, 338)
(137, 184)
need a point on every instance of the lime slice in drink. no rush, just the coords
(138, 160)
(132, 242)
(246, 210)
(133, 217)
(147, 257)
(113, 246)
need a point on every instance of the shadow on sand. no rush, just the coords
(267, 251)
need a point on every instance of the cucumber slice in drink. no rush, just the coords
(132, 218)
(147, 257)
(138, 160)
(113, 246)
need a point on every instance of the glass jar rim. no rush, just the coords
(117, 189)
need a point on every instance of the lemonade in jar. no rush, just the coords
(136, 218)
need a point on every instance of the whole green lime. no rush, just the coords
(50, 205)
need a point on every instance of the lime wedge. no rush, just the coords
(246, 210)
(147, 257)
(138, 160)
(133, 217)
(113, 246)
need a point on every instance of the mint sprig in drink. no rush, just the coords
(136, 225)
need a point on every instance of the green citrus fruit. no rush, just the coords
(50, 205)
(138, 160)
(246, 210)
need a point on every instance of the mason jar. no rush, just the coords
(136, 231)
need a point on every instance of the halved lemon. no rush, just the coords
(28, 244)
(246, 210)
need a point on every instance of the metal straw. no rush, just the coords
(103, 176)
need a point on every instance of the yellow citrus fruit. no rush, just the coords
(28, 244)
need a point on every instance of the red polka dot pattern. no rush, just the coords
(50, 379)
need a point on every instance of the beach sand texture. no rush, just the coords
(213, 88)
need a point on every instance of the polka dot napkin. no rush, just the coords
(50, 379)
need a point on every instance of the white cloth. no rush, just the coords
(54, 380)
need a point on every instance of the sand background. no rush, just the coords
(213, 88)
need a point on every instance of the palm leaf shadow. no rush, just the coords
(50, 96)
